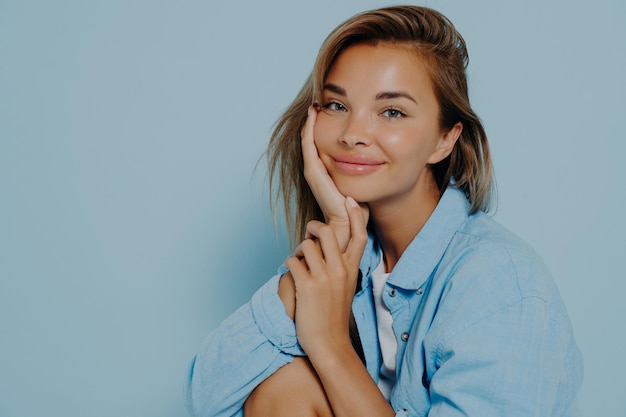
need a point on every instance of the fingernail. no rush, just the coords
(352, 202)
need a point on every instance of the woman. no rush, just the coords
(402, 298)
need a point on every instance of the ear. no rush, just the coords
(446, 143)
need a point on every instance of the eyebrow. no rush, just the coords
(335, 89)
(394, 94)
(385, 95)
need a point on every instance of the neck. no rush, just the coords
(397, 223)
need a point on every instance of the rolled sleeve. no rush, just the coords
(246, 348)
(271, 318)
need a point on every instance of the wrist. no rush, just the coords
(327, 353)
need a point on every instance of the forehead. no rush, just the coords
(382, 66)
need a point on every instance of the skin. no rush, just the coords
(379, 102)
(373, 140)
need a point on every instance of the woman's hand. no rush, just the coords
(329, 198)
(325, 280)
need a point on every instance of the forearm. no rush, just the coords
(324, 278)
(349, 387)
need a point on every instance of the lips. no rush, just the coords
(356, 164)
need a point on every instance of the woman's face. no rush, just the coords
(378, 125)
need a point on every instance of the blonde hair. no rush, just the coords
(433, 37)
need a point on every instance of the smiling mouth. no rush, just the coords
(356, 164)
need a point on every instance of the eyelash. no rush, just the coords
(328, 105)
(398, 113)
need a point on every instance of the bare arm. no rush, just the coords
(319, 288)
(325, 280)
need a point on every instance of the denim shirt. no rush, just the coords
(480, 326)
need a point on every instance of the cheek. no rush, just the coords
(397, 139)
(411, 144)
(393, 139)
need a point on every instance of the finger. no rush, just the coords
(327, 242)
(298, 269)
(309, 150)
(312, 256)
(299, 252)
(310, 229)
(309, 127)
(322, 185)
(358, 231)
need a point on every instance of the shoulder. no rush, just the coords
(486, 269)
(492, 300)
(488, 254)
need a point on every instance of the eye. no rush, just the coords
(334, 106)
(393, 113)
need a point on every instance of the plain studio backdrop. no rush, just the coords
(132, 220)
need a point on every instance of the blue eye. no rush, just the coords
(393, 113)
(334, 106)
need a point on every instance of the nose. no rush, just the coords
(356, 131)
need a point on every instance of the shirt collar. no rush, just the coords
(369, 261)
(427, 248)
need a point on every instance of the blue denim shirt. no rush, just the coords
(480, 325)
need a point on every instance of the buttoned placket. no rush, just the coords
(401, 312)
(397, 305)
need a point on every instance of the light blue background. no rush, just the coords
(132, 222)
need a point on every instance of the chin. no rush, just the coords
(360, 194)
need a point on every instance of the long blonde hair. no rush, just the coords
(434, 38)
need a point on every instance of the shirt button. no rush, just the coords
(392, 292)
(419, 291)
(405, 336)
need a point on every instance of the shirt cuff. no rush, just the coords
(272, 320)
